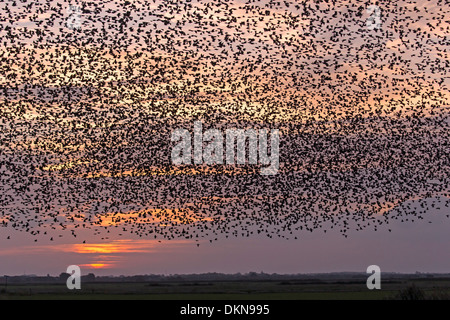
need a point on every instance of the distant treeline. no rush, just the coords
(213, 276)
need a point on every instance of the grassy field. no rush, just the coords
(225, 290)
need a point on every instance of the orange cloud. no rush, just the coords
(119, 246)
(97, 265)
(114, 247)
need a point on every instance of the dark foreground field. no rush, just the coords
(434, 288)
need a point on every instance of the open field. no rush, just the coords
(227, 290)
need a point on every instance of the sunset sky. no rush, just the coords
(409, 247)
(86, 116)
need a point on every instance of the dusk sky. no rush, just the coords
(410, 247)
(91, 94)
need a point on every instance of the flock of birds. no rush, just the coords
(86, 116)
